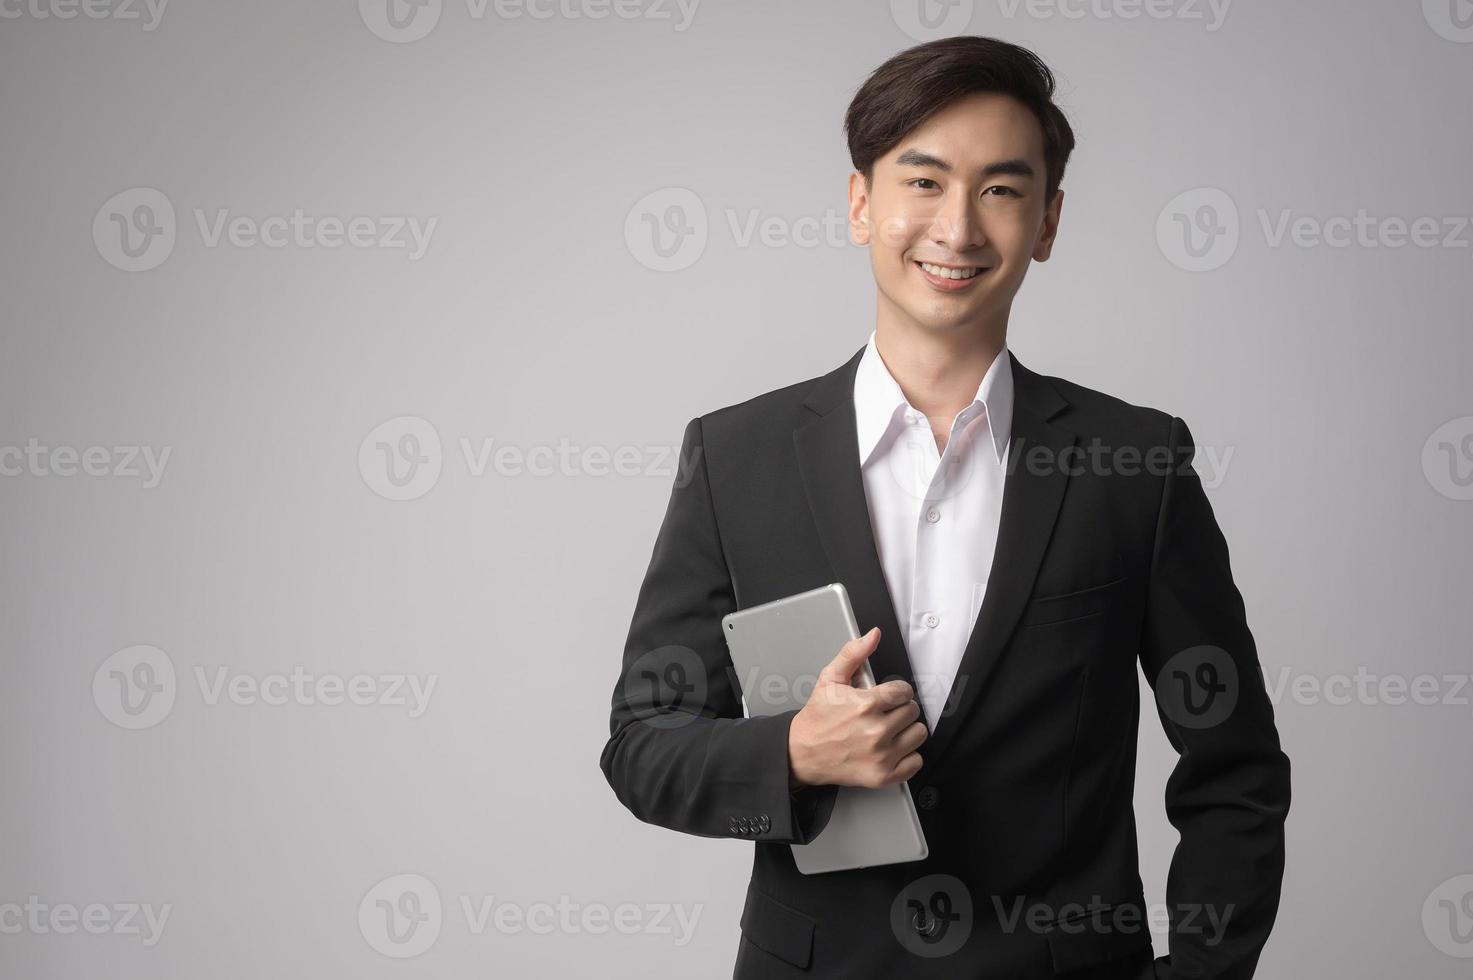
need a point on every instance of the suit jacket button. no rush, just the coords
(928, 798)
(926, 925)
(764, 824)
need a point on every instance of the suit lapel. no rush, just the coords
(828, 462)
(1031, 496)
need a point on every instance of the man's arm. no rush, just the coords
(680, 754)
(1229, 792)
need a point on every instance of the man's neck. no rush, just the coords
(939, 372)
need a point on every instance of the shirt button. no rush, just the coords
(932, 619)
(928, 798)
(910, 418)
(933, 515)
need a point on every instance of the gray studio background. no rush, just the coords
(217, 594)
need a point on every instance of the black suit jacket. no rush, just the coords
(1108, 554)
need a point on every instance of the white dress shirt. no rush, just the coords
(934, 514)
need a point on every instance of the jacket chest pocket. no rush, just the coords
(1078, 604)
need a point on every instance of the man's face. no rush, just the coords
(964, 189)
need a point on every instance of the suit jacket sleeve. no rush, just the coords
(679, 753)
(1228, 794)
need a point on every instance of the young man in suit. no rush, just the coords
(1016, 544)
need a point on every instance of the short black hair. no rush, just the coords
(919, 82)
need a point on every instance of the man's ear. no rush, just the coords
(1044, 247)
(859, 226)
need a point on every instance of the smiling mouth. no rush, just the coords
(951, 271)
(950, 277)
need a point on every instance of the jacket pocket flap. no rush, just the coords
(1092, 937)
(777, 929)
(1071, 605)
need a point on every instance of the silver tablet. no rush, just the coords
(778, 650)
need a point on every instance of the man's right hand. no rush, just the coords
(847, 736)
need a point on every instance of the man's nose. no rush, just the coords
(956, 226)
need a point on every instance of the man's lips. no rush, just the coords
(946, 284)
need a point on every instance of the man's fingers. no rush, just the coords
(846, 662)
(892, 694)
(906, 768)
(911, 737)
(898, 718)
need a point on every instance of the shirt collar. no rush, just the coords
(878, 400)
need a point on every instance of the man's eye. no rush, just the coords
(919, 180)
(1007, 191)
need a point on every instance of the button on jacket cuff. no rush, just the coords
(795, 816)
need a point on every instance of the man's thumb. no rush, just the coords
(841, 669)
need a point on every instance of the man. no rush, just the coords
(1015, 544)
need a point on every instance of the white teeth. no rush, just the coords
(945, 273)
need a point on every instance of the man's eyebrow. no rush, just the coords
(1016, 167)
